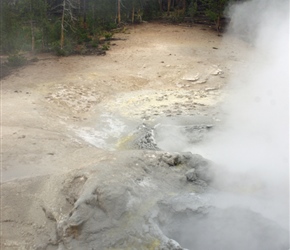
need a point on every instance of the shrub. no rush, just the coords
(108, 36)
(67, 50)
(110, 25)
(16, 60)
(106, 46)
(95, 44)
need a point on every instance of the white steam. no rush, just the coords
(252, 143)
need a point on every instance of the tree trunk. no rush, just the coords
(160, 4)
(119, 11)
(133, 14)
(218, 21)
(42, 40)
(62, 26)
(93, 23)
(32, 30)
(218, 24)
(32, 36)
(168, 6)
(184, 6)
(85, 15)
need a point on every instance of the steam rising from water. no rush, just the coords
(251, 144)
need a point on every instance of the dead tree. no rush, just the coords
(67, 18)
(119, 11)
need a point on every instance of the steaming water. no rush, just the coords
(254, 140)
(251, 145)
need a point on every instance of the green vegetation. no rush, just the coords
(76, 26)
(16, 60)
(106, 46)
(108, 36)
(215, 10)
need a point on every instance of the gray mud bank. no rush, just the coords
(138, 199)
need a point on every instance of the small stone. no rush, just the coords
(191, 78)
(201, 81)
(191, 175)
(217, 72)
(171, 159)
(210, 89)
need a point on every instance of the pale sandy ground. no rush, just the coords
(65, 122)
(60, 114)
(49, 108)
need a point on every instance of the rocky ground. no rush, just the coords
(82, 167)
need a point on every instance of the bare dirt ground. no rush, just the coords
(66, 113)
(43, 104)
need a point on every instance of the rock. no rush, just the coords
(191, 78)
(191, 175)
(210, 89)
(202, 81)
(141, 138)
(146, 139)
(171, 159)
(171, 245)
(217, 72)
(202, 167)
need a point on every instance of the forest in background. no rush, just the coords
(86, 27)
(75, 26)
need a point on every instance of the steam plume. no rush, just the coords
(253, 141)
